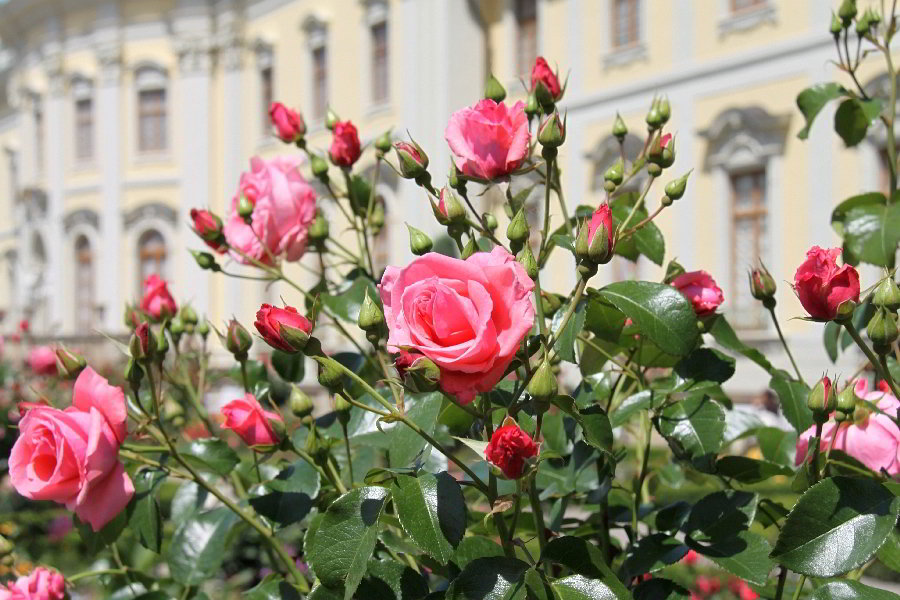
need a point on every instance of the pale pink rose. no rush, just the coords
(40, 584)
(42, 360)
(874, 441)
(247, 418)
(284, 207)
(488, 140)
(700, 288)
(468, 316)
(71, 456)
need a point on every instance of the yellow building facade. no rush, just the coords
(121, 115)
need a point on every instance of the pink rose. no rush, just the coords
(40, 584)
(283, 328)
(541, 73)
(468, 316)
(873, 440)
(700, 288)
(601, 216)
(822, 286)
(345, 148)
(42, 360)
(71, 456)
(489, 140)
(251, 422)
(209, 227)
(157, 301)
(289, 125)
(284, 208)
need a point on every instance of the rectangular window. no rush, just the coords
(379, 33)
(152, 120)
(38, 116)
(739, 6)
(749, 223)
(266, 96)
(526, 35)
(320, 81)
(84, 129)
(626, 30)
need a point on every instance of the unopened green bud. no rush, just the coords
(384, 143)
(490, 221)
(874, 17)
(142, 345)
(331, 118)
(675, 189)
(836, 25)
(845, 311)
(6, 547)
(133, 373)
(667, 156)
(544, 97)
(376, 217)
(654, 116)
(494, 90)
(582, 246)
(237, 340)
(422, 375)
(318, 229)
(532, 107)
(411, 158)
(847, 400)
(887, 295)
(550, 303)
(673, 270)
(162, 344)
(205, 260)
(762, 285)
(330, 375)
(469, 249)
(552, 132)
(342, 409)
(654, 170)
(68, 364)
(847, 11)
(862, 24)
(665, 109)
(301, 404)
(419, 242)
(600, 251)
(615, 173)
(620, 130)
(453, 178)
(203, 328)
(517, 232)
(526, 259)
(319, 167)
(451, 207)
(882, 330)
(188, 315)
(371, 318)
(176, 326)
(821, 400)
(543, 385)
(245, 208)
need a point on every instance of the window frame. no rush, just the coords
(152, 79)
(758, 211)
(84, 256)
(160, 256)
(524, 64)
(634, 26)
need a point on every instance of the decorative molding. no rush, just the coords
(81, 86)
(151, 183)
(376, 11)
(744, 137)
(315, 25)
(53, 68)
(194, 55)
(83, 216)
(149, 75)
(151, 210)
(623, 56)
(231, 49)
(746, 19)
(109, 58)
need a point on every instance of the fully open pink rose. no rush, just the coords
(822, 286)
(284, 206)
(468, 316)
(40, 584)
(700, 288)
(71, 456)
(872, 439)
(157, 301)
(247, 418)
(488, 140)
(42, 360)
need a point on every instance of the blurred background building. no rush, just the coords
(118, 116)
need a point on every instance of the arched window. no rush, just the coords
(84, 285)
(152, 121)
(151, 256)
(317, 44)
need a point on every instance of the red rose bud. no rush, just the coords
(289, 125)
(143, 344)
(657, 147)
(68, 363)
(596, 238)
(283, 328)
(157, 302)
(701, 290)
(762, 285)
(209, 227)
(412, 159)
(237, 340)
(508, 450)
(825, 290)
(259, 428)
(345, 147)
(543, 75)
(821, 400)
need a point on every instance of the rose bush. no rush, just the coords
(477, 432)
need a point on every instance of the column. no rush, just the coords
(54, 156)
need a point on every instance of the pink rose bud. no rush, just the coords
(822, 286)
(42, 360)
(24, 326)
(447, 296)
(289, 125)
(255, 425)
(52, 461)
(283, 328)
(40, 584)
(345, 147)
(412, 159)
(157, 302)
(209, 227)
(488, 140)
(541, 73)
(700, 288)
(508, 449)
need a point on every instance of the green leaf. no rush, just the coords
(813, 99)
(579, 587)
(631, 406)
(750, 470)
(836, 525)
(706, 364)
(298, 477)
(475, 546)
(777, 445)
(144, 517)
(346, 538)
(648, 240)
(853, 117)
(188, 500)
(673, 516)
(289, 367)
(210, 454)
(662, 313)
(273, 587)
(850, 590)
(347, 300)
(565, 343)
(198, 546)
(596, 427)
(602, 318)
(697, 424)
(432, 511)
(889, 553)
(660, 589)
(830, 336)
(584, 558)
(744, 554)
(652, 553)
(793, 396)
(389, 580)
(492, 578)
(871, 234)
(724, 334)
(720, 515)
(284, 508)
(109, 533)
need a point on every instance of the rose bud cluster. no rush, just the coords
(345, 147)
(826, 291)
(283, 328)
(260, 429)
(701, 290)
(289, 125)
(52, 459)
(509, 449)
